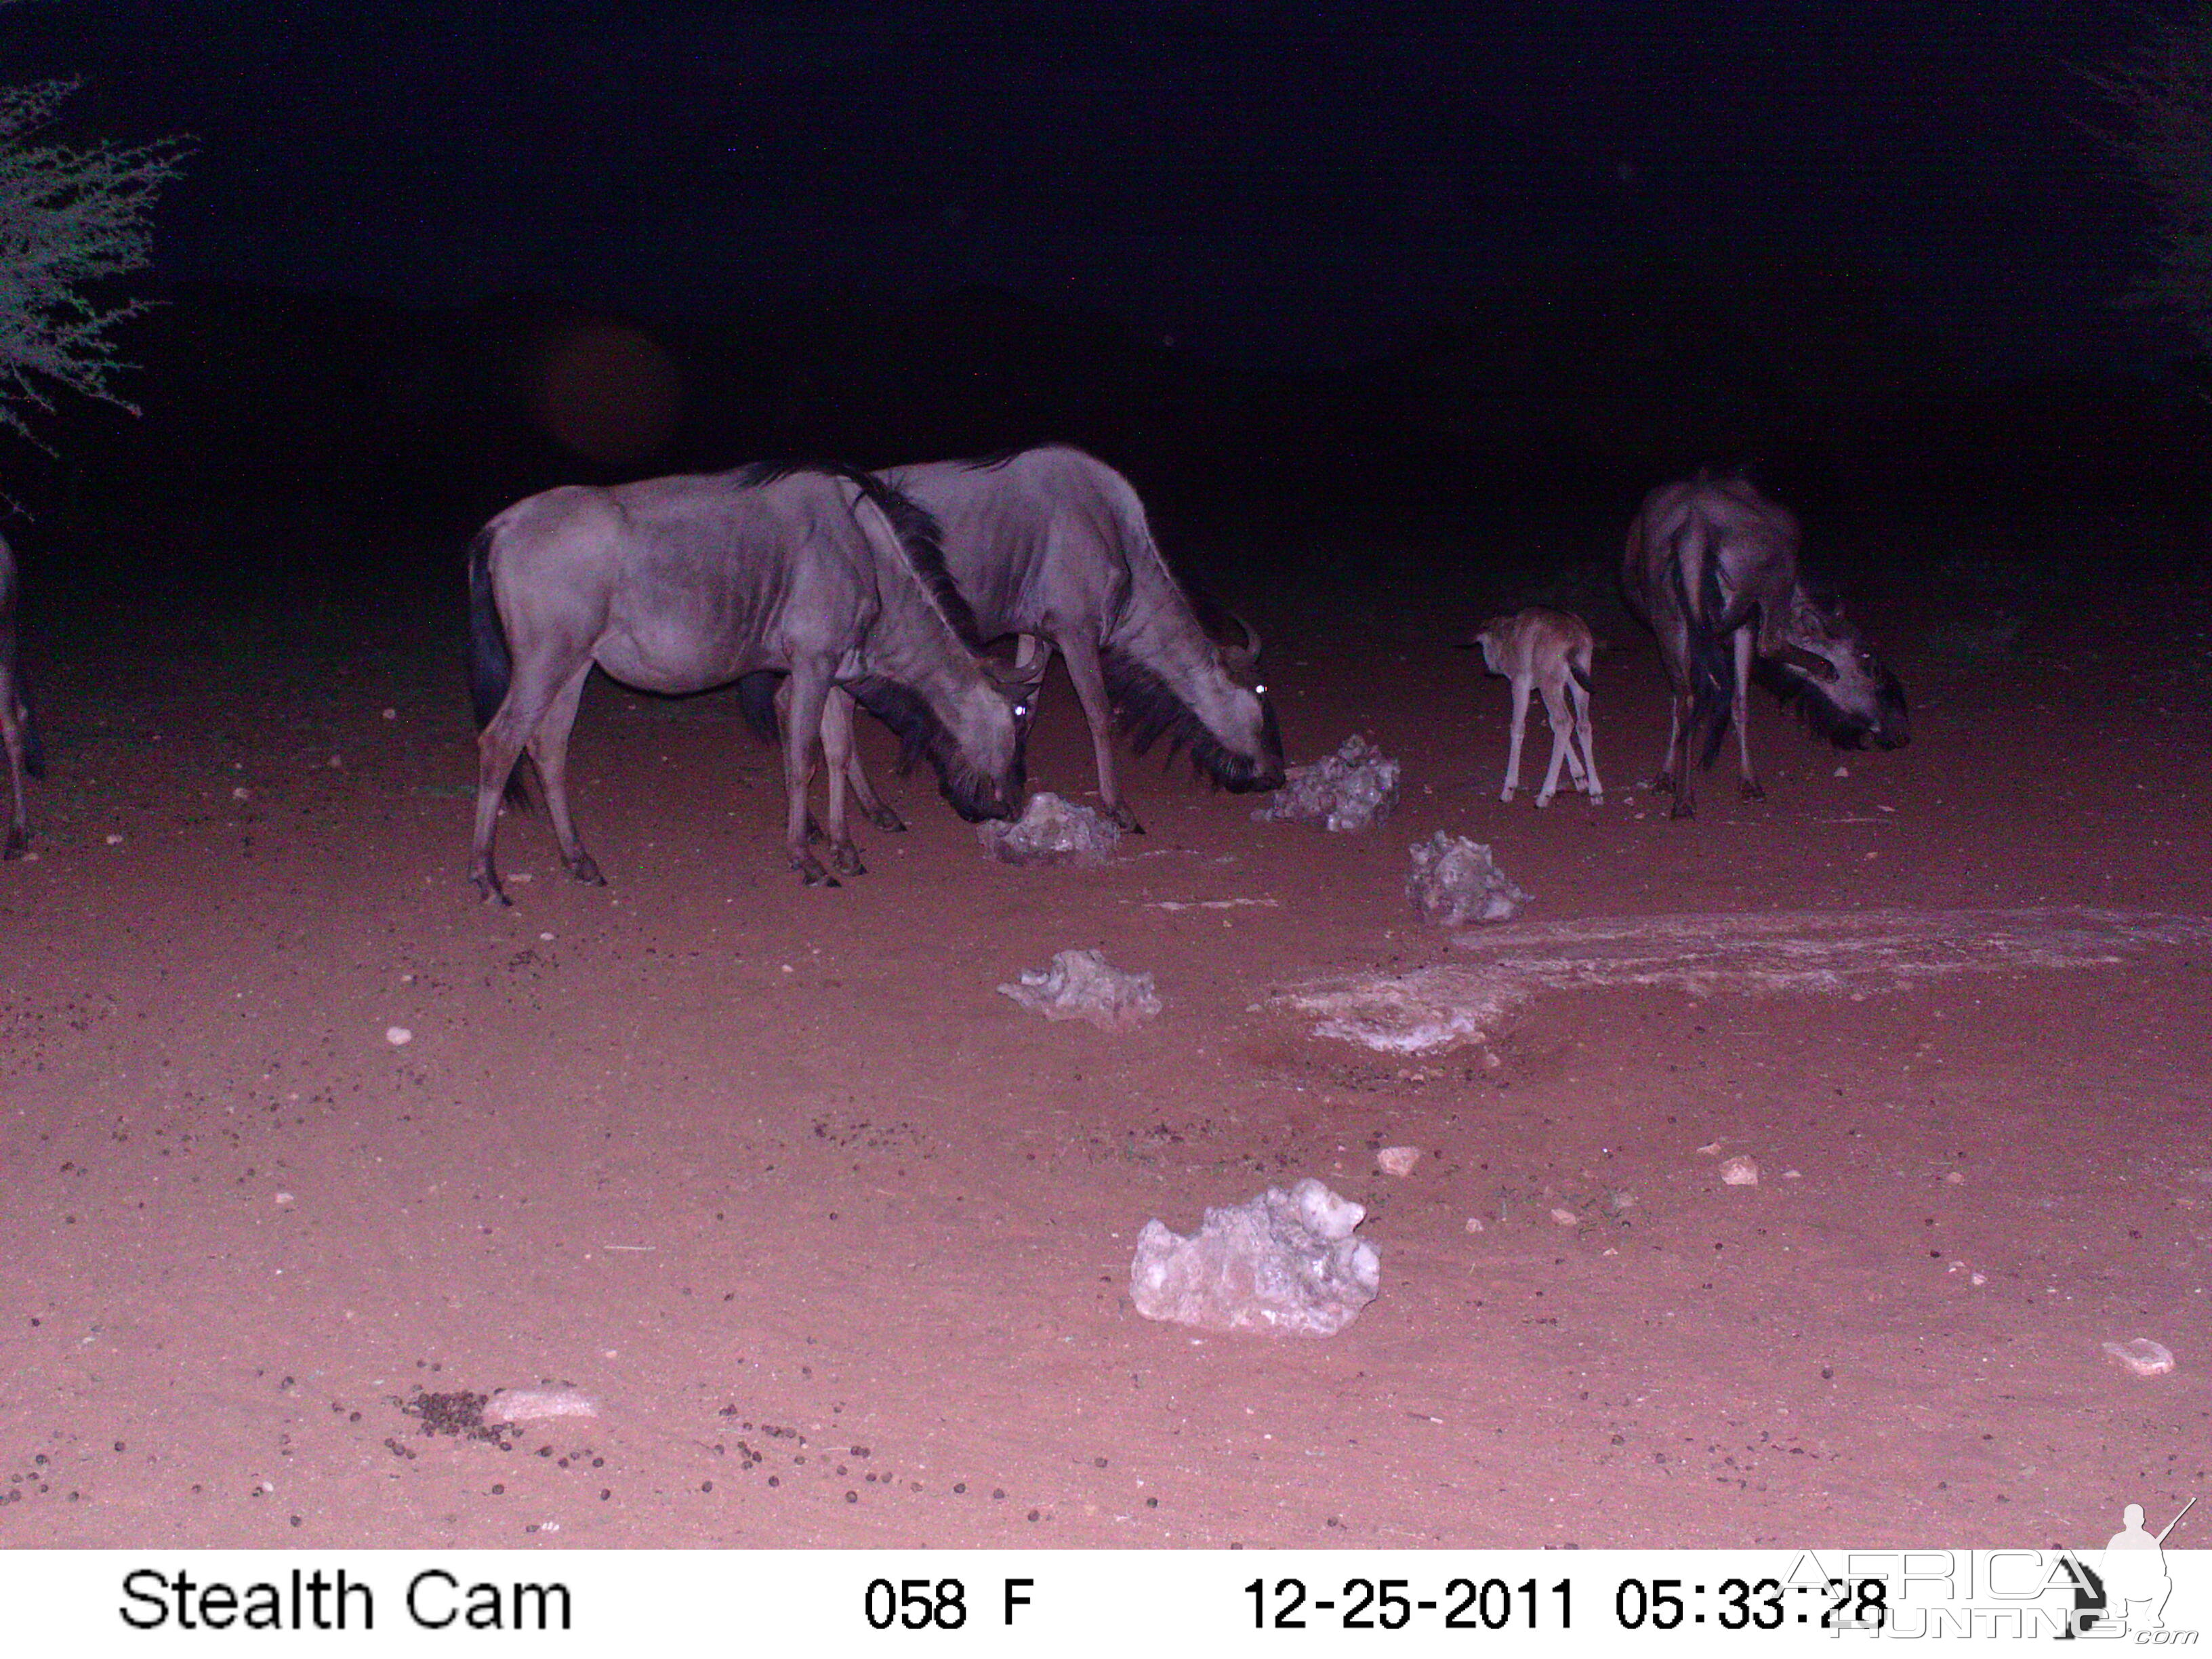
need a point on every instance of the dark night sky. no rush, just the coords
(1267, 184)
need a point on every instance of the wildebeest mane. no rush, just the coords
(914, 523)
(921, 734)
(1147, 709)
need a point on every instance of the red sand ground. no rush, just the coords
(838, 1238)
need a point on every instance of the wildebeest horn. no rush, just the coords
(1010, 677)
(1810, 662)
(1244, 655)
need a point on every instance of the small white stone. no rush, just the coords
(2142, 1356)
(1739, 1171)
(1474, 1225)
(283, 1199)
(1398, 1160)
(115, 841)
(241, 793)
(531, 1405)
(334, 762)
(1843, 771)
(398, 1035)
(1953, 1178)
(392, 713)
(1566, 1218)
(548, 937)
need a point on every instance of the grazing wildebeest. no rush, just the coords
(1053, 544)
(679, 585)
(18, 730)
(1712, 569)
(1549, 651)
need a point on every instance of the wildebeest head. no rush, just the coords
(1829, 673)
(978, 748)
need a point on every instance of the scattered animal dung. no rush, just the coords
(1283, 1262)
(398, 1036)
(1456, 882)
(1397, 1160)
(1051, 831)
(1352, 788)
(530, 1404)
(2141, 1356)
(1739, 1171)
(1081, 985)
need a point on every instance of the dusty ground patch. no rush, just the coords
(836, 1239)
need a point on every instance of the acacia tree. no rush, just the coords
(71, 217)
(2167, 91)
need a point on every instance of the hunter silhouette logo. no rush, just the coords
(2135, 1580)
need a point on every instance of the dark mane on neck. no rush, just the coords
(923, 735)
(913, 523)
(1148, 709)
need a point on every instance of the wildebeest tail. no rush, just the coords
(490, 666)
(1581, 674)
(756, 702)
(1713, 665)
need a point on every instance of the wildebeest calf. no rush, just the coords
(1549, 651)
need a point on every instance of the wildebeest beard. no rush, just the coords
(972, 793)
(1148, 709)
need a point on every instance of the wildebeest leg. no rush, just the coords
(1089, 679)
(857, 775)
(549, 748)
(1513, 742)
(837, 762)
(1557, 711)
(1741, 710)
(1678, 776)
(802, 745)
(535, 685)
(1583, 765)
(11, 733)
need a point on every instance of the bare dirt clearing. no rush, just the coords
(835, 1239)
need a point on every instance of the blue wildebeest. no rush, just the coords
(1051, 545)
(679, 585)
(18, 730)
(1712, 569)
(1547, 650)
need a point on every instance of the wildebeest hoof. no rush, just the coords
(586, 871)
(1122, 816)
(1683, 809)
(1543, 800)
(884, 819)
(1505, 795)
(848, 860)
(812, 872)
(1752, 791)
(490, 890)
